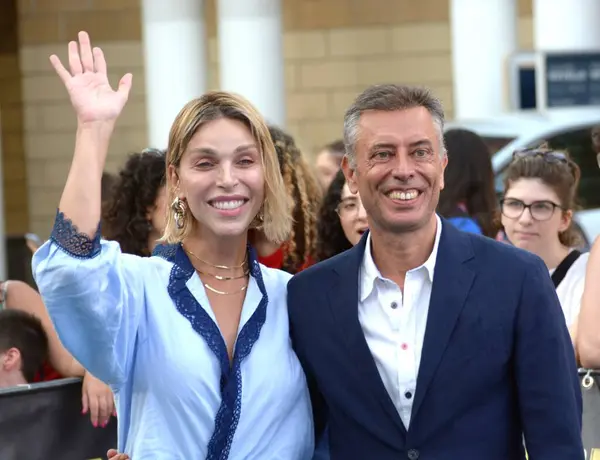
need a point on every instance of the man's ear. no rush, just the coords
(444, 161)
(11, 359)
(350, 174)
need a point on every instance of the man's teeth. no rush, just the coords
(406, 196)
(227, 204)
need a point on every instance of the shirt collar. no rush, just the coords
(370, 273)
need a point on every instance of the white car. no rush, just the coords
(577, 131)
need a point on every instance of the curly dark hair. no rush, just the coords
(124, 215)
(331, 239)
(305, 192)
(108, 183)
(469, 178)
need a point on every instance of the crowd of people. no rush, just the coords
(224, 298)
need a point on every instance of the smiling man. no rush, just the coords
(424, 342)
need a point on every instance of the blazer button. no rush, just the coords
(413, 454)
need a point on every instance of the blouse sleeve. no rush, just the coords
(95, 297)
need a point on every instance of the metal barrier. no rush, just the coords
(44, 420)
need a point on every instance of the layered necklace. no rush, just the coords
(243, 266)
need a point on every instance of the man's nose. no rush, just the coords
(404, 166)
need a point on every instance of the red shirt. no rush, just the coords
(46, 374)
(275, 260)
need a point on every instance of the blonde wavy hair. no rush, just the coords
(275, 220)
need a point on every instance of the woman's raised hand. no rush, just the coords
(87, 83)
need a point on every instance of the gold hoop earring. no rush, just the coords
(179, 209)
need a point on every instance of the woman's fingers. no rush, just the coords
(99, 61)
(105, 408)
(85, 50)
(60, 69)
(74, 59)
(94, 410)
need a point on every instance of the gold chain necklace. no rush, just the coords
(222, 267)
(244, 264)
(225, 278)
(210, 288)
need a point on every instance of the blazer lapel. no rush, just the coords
(343, 300)
(451, 285)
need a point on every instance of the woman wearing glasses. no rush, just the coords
(342, 219)
(540, 188)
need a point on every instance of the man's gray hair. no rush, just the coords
(390, 98)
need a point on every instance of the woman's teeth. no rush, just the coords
(405, 195)
(227, 204)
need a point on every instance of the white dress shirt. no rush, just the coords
(394, 324)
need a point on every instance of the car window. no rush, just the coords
(583, 146)
(582, 150)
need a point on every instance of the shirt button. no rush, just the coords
(408, 395)
(394, 305)
(413, 454)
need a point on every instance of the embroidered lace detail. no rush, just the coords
(166, 251)
(228, 415)
(67, 237)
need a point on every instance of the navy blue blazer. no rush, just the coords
(497, 360)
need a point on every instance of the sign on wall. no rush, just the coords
(572, 79)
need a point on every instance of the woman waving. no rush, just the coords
(194, 341)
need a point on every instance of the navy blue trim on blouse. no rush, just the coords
(229, 412)
(68, 238)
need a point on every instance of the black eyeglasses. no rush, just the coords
(539, 210)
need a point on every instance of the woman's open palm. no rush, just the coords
(87, 83)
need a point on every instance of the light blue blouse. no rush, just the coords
(145, 327)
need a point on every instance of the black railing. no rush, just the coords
(44, 420)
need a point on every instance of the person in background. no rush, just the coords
(540, 188)
(328, 162)
(23, 347)
(586, 329)
(134, 215)
(468, 199)
(304, 198)
(588, 324)
(342, 219)
(96, 398)
(108, 184)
